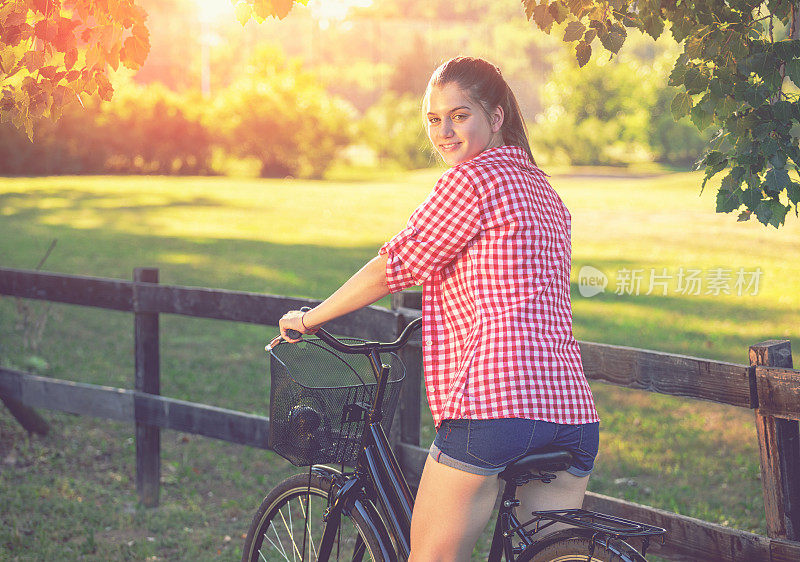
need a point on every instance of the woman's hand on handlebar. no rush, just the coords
(293, 320)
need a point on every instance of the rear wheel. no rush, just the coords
(289, 526)
(579, 545)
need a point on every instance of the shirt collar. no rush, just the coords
(504, 155)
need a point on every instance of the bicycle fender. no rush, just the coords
(368, 511)
(376, 526)
(617, 547)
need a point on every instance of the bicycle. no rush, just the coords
(364, 513)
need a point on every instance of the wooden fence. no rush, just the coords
(768, 386)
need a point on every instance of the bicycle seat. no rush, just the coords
(552, 461)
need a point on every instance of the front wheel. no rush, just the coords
(289, 526)
(579, 545)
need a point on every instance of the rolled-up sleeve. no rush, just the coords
(438, 230)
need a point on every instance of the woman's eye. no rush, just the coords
(433, 120)
(459, 117)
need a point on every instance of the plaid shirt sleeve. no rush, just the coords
(437, 231)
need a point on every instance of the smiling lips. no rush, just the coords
(449, 146)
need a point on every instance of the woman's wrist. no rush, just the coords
(308, 323)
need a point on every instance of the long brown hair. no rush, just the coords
(484, 84)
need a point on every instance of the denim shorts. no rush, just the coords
(486, 447)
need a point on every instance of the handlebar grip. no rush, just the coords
(294, 334)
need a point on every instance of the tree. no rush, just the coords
(53, 51)
(734, 72)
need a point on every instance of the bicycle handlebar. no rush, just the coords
(364, 347)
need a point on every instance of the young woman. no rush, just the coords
(491, 248)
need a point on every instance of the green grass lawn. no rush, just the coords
(71, 495)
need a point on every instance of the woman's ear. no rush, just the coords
(497, 118)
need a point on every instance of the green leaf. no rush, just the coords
(708, 102)
(777, 213)
(726, 107)
(778, 160)
(614, 38)
(775, 180)
(574, 31)
(717, 88)
(754, 184)
(793, 71)
(693, 48)
(727, 201)
(696, 80)
(714, 157)
(678, 75)
(782, 110)
(793, 192)
(701, 118)
(744, 216)
(793, 151)
(654, 26)
(772, 79)
(761, 131)
(583, 52)
(785, 49)
(754, 95)
(681, 105)
(712, 170)
(751, 197)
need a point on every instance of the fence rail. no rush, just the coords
(768, 385)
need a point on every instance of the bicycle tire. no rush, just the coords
(575, 545)
(276, 532)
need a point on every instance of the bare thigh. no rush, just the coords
(450, 512)
(566, 491)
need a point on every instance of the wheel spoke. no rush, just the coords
(277, 545)
(290, 529)
(310, 527)
(288, 542)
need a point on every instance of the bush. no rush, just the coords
(613, 112)
(143, 130)
(152, 130)
(281, 115)
(394, 129)
(598, 114)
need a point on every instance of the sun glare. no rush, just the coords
(214, 10)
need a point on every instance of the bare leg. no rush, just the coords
(566, 491)
(450, 512)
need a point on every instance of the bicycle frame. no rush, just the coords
(378, 478)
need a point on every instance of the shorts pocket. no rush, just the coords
(589, 441)
(498, 442)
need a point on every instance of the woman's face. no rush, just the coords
(458, 127)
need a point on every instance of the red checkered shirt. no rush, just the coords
(491, 248)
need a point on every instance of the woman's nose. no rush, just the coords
(446, 129)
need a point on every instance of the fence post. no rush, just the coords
(148, 373)
(411, 355)
(779, 444)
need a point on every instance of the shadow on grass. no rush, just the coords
(718, 327)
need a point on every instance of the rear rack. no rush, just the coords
(615, 527)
